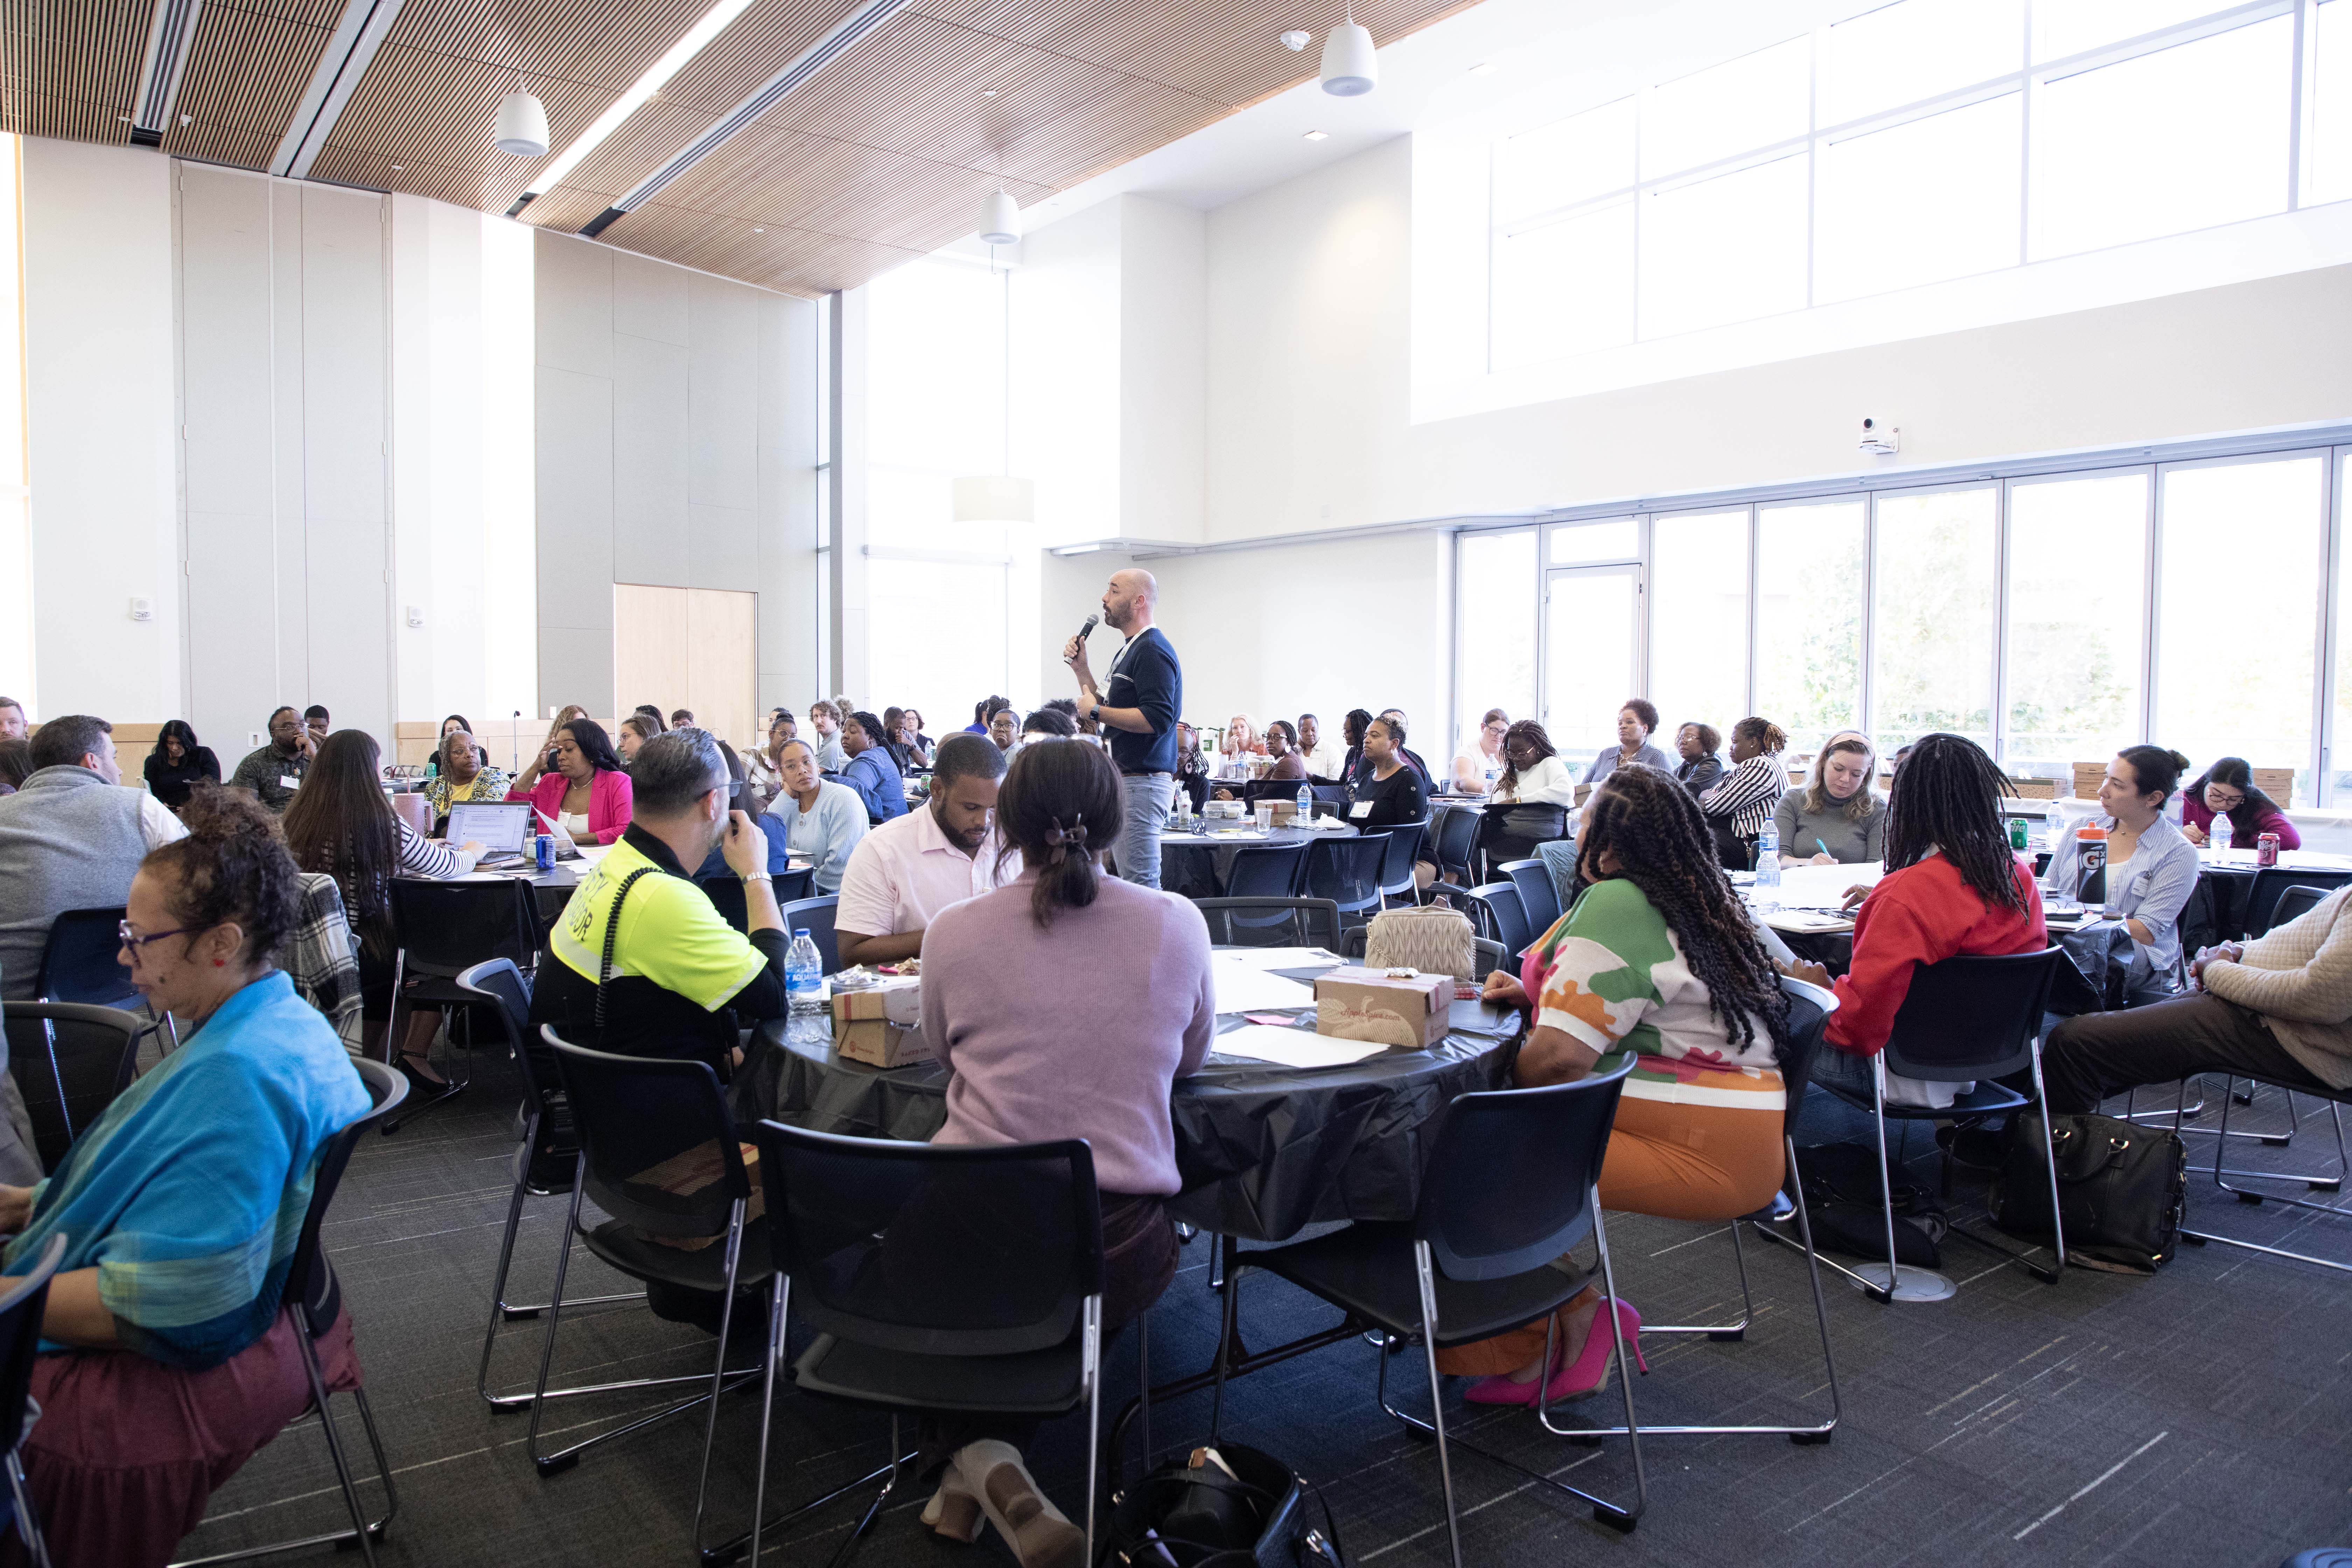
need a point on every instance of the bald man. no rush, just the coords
(1138, 707)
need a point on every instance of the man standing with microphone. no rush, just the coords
(1139, 707)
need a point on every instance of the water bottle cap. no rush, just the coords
(800, 930)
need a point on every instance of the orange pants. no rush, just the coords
(1674, 1160)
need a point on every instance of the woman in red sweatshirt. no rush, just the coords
(1952, 886)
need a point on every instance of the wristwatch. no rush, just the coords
(758, 877)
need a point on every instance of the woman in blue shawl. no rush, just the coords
(167, 1360)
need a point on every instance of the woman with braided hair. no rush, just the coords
(1952, 886)
(1658, 957)
(1066, 1004)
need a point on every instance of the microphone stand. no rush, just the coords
(514, 746)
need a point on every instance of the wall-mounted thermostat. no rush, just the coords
(143, 609)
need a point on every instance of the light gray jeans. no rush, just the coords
(1148, 798)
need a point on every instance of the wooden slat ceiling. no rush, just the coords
(883, 157)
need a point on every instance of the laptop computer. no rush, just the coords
(502, 827)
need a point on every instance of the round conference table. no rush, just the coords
(1199, 864)
(1263, 1150)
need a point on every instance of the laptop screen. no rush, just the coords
(495, 825)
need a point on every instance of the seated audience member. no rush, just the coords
(1636, 721)
(1239, 744)
(16, 763)
(653, 713)
(454, 721)
(1701, 769)
(1895, 763)
(986, 709)
(1737, 808)
(635, 731)
(342, 826)
(1192, 766)
(316, 720)
(1531, 800)
(823, 821)
(275, 771)
(2151, 867)
(762, 766)
(1411, 758)
(324, 962)
(1481, 762)
(12, 719)
(1837, 819)
(682, 719)
(2277, 1009)
(170, 1359)
(871, 771)
(577, 786)
(1284, 760)
(67, 841)
(824, 727)
(1004, 731)
(1387, 792)
(2227, 788)
(908, 747)
(681, 977)
(1324, 760)
(914, 718)
(460, 774)
(1047, 724)
(178, 765)
(1656, 956)
(1953, 886)
(1016, 1079)
(1352, 728)
(902, 874)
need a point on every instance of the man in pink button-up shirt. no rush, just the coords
(906, 872)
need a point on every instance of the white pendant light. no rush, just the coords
(1000, 222)
(522, 125)
(1350, 68)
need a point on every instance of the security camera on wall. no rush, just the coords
(1881, 440)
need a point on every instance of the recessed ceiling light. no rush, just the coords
(1318, 135)
(658, 75)
(988, 92)
(1484, 68)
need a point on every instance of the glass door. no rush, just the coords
(1592, 655)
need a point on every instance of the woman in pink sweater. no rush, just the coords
(1066, 1004)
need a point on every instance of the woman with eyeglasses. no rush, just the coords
(1482, 762)
(2227, 789)
(170, 1361)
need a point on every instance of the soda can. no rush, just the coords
(547, 852)
(2017, 833)
(2266, 849)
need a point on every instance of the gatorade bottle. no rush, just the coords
(2091, 866)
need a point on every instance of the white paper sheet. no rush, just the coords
(1292, 1047)
(1283, 957)
(1243, 989)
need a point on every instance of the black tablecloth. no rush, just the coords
(1201, 870)
(1263, 1150)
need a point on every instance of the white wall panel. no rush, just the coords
(651, 459)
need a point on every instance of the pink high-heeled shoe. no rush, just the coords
(1588, 1374)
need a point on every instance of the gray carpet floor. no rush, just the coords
(2197, 1416)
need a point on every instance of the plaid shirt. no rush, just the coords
(325, 967)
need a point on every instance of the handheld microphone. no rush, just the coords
(1089, 629)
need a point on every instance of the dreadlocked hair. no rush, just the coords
(1947, 798)
(1651, 824)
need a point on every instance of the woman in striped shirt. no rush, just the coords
(339, 823)
(1738, 807)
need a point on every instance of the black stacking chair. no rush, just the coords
(1271, 922)
(20, 1343)
(1397, 879)
(81, 960)
(1810, 1007)
(645, 1126)
(1267, 870)
(1512, 1184)
(816, 915)
(316, 1298)
(2271, 885)
(91, 1055)
(938, 1277)
(1347, 871)
(726, 894)
(1538, 894)
(442, 930)
(1496, 907)
(1975, 1016)
(543, 1162)
(1457, 838)
(1485, 956)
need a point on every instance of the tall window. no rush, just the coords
(1497, 576)
(2228, 681)
(2077, 596)
(1932, 653)
(16, 671)
(1698, 619)
(1809, 602)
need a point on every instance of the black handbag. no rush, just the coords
(1186, 1515)
(2123, 1189)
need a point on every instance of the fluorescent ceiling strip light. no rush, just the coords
(692, 43)
(865, 19)
(169, 33)
(357, 34)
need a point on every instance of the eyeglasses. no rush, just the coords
(2222, 799)
(134, 941)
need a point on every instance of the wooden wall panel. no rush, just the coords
(721, 656)
(649, 639)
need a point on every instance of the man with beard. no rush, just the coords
(906, 872)
(1137, 706)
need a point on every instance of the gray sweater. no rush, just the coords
(69, 840)
(1849, 842)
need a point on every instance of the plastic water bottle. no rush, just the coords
(1305, 808)
(804, 975)
(1768, 866)
(2217, 837)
